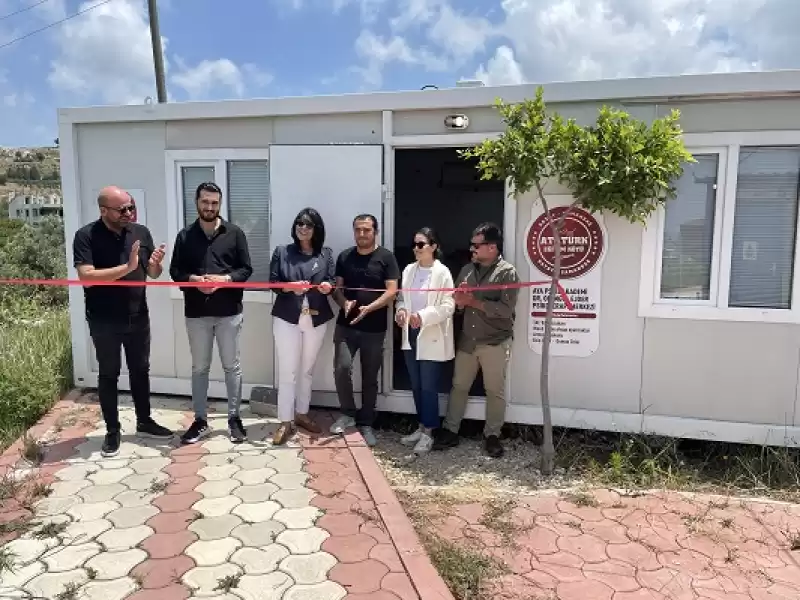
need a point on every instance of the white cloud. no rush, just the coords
(218, 78)
(368, 9)
(501, 69)
(377, 51)
(107, 53)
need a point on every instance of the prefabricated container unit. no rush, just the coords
(687, 327)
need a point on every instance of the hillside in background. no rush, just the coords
(29, 169)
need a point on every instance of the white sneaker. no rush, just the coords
(342, 424)
(369, 436)
(424, 444)
(410, 440)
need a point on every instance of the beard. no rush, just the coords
(208, 216)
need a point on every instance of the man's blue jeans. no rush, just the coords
(424, 375)
(202, 332)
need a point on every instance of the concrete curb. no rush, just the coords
(424, 576)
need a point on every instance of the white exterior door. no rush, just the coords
(340, 182)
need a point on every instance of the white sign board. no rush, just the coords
(576, 323)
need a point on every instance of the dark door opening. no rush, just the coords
(437, 188)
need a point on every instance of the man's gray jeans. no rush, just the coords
(202, 331)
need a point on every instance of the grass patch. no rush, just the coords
(35, 370)
(227, 583)
(70, 592)
(51, 529)
(463, 567)
(7, 559)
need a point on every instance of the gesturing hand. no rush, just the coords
(414, 321)
(133, 258)
(157, 256)
(363, 311)
(401, 317)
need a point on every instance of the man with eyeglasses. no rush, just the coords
(114, 248)
(485, 342)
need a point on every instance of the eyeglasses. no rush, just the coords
(476, 245)
(419, 245)
(130, 208)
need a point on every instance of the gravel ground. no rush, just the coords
(466, 470)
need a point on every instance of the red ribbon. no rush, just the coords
(259, 285)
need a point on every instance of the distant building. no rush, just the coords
(32, 208)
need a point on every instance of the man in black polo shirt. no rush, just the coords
(361, 326)
(212, 250)
(110, 249)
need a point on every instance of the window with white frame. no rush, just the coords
(245, 186)
(725, 247)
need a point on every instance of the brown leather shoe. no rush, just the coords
(282, 435)
(307, 423)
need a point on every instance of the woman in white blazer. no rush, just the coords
(426, 318)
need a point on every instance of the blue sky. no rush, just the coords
(260, 48)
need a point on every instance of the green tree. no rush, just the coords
(618, 165)
(34, 174)
(3, 178)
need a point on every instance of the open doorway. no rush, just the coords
(437, 188)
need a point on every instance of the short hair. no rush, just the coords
(367, 217)
(491, 233)
(312, 217)
(207, 186)
(432, 238)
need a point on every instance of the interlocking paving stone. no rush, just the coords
(113, 565)
(290, 481)
(216, 507)
(92, 511)
(49, 585)
(107, 476)
(216, 552)
(118, 589)
(298, 518)
(218, 473)
(26, 551)
(258, 534)
(69, 558)
(256, 476)
(327, 590)
(131, 517)
(256, 512)
(17, 578)
(218, 488)
(303, 541)
(215, 528)
(146, 482)
(101, 493)
(204, 580)
(162, 518)
(255, 587)
(309, 568)
(259, 561)
(298, 498)
(125, 538)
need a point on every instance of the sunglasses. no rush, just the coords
(304, 224)
(130, 208)
(474, 246)
(419, 245)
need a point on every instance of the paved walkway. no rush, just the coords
(601, 545)
(315, 520)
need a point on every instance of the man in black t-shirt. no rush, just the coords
(362, 323)
(110, 249)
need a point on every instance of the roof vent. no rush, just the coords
(470, 83)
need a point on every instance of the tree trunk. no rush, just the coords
(548, 449)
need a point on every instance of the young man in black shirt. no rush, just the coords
(212, 250)
(110, 249)
(362, 322)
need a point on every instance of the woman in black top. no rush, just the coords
(300, 318)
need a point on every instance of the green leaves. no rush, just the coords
(619, 164)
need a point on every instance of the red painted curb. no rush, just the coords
(424, 576)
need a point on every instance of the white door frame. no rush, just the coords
(400, 400)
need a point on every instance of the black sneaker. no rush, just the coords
(237, 430)
(445, 439)
(111, 444)
(196, 432)
(493, 446)
(151, 429)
